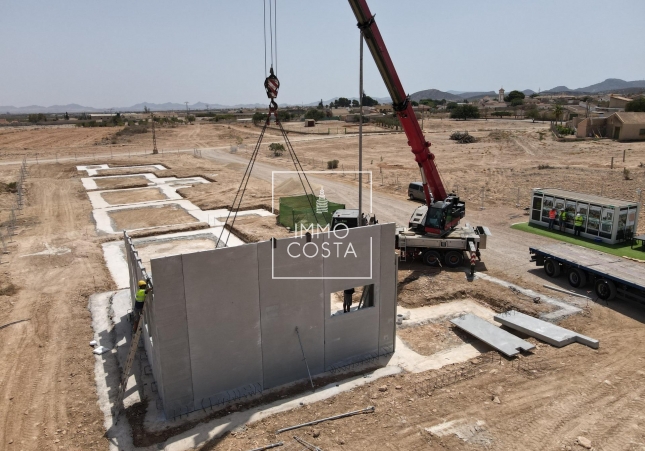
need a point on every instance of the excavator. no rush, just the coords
(433, 231)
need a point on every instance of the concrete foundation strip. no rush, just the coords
(307, 445)
(562, 290)
(369, 409)
(550, 333)
(272, 445)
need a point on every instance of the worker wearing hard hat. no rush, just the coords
(139, 300)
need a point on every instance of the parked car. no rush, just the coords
(415, 191)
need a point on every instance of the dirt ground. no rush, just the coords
(121, 182)
(129, 197)
(47, 389)
(139, 218)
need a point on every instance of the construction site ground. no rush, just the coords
(48, 396)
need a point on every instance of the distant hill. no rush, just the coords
(609, 85)
(434, 94)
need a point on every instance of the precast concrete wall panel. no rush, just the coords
(388, 287)
(286, 304)
(169, 333)
(222, 303)
(352, 336)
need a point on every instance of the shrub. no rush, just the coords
(277, 149)
(332, 164)
(564, 130)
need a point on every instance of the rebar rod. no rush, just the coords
(369, 409)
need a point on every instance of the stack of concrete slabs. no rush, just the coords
(550, 333)
(506, 343)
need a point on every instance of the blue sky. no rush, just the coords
(118, 53)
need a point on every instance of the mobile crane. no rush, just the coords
(433, 231)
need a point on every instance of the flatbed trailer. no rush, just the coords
(607, 274)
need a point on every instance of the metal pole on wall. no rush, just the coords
(360, 136)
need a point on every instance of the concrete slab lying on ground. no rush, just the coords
(506, 343)
(554, 335)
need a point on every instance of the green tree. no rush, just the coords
(533, 113)
(465, 112)
(514, 95)
(314, 114)
(342, 102)
(34, 118)
(557, 112)
(259, 117)
(636, 105)
(277, 149)
(368, 101)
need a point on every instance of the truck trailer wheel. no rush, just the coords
(454, 259)
(605, 289)
(551, 267)
(577, 278)
(432, 258)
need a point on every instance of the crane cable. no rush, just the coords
(273, 35)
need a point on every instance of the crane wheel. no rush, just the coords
(432, 258)
(605, 289)
(454, 259)
(577, 278)
(551, 267)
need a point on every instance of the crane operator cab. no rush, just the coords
(440, 218)
(350, 219)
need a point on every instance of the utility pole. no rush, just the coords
(154, 136)
(360, 137)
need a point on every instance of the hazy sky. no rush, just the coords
(118, 53)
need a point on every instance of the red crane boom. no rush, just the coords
(432, 184)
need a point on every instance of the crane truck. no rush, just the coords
(433, 232)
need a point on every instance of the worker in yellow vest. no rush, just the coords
(563, 220)
(578, 221)
(139, 300)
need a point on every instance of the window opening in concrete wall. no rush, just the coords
(351, 299)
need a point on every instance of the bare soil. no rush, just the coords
(129, 197)
(252, 229)
(139, 218)
(420, 286)
(431, 338)
(121, 182)
(47, 388)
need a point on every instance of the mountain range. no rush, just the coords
(609, 85)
